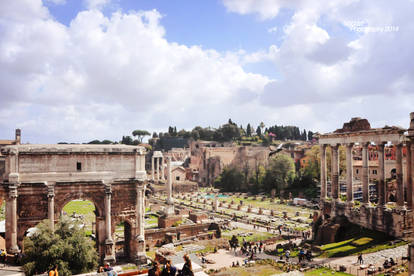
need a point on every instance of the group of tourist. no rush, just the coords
(106, 269)
(170, 270)
(304, 255)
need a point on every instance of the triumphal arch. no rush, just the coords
(40, 179)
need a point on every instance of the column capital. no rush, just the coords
(13, 191)
(365, 144)
(108, 189)
(335, 146)
(51, 191)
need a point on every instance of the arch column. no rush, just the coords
(11, 215)
(109, 255)
(323, 171)
(381, 174)
(51, 206)
(365, 176)
(400, 185)
(349, 173)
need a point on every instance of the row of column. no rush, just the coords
(159, 164)
(109, 256)
(381, 188)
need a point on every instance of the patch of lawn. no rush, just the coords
(366, 241)
(80, 207)
(323, 270)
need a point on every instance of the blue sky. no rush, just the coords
(79, 70)
(204, 23)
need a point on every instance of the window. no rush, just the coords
(357, 171)
(374, 171)
(177, 178)
(78, 166)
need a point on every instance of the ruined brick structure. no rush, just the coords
(209, 159)
(40, 179)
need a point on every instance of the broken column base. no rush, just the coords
(141, 259)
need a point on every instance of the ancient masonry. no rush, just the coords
(40, 179)
(396, 221)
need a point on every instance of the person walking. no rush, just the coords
(360, 259)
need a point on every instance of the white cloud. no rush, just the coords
(96, 4)
(102, 77)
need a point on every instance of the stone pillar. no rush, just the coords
(13, 212)
(335, 172)
(412, 170)
(381, 189)
(215, 203)
(323, 171)
(365, 176)
(51, 206)
(140, 213)
(349, 173)
(162, 168)
(157, 165)
(152, 168)
(400, 185)
(408, 179)
(169, 182)
(109, 256)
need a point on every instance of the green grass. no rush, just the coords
(326, 271)
(257, 236)
(366, 241)
(81, 207)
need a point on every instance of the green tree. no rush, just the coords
(230, 180)
(140, 134)
(249, 130)
(280, 173)
(259, 131)
(67, 247)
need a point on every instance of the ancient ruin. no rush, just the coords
(39, 180)
(395, 220)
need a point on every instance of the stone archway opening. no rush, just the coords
(123, 241)
(85, 212)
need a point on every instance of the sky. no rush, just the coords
(79, 70)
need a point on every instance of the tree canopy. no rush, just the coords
(67, 247)
(280, 173)
(140, 134)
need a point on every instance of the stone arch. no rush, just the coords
(129, 234)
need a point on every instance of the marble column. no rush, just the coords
(51, 206)
(408, 176)
(13, 197)
(349, 173)
(323, 171)
(400, 185)
(140, 213)
(365, 175)
(162, 169)
(381, 189)
(157, 165)
(169, 182)
(335, 172)
(109, 256)
(152, 168)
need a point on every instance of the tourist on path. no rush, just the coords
(54, 271)
(154, 270)
(360, 260)
(169, 269)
